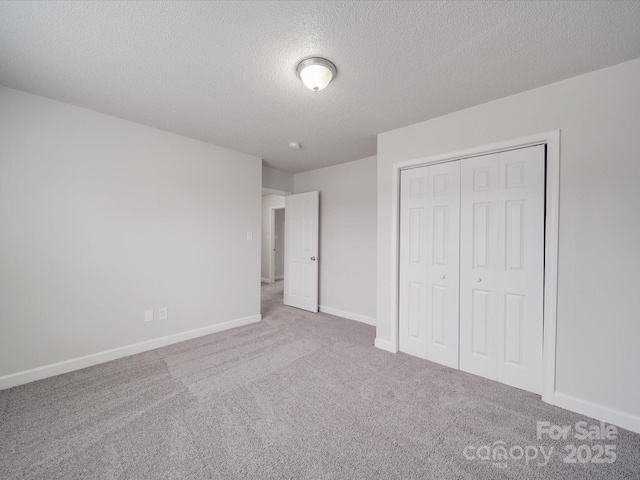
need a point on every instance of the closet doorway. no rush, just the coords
(472, 264)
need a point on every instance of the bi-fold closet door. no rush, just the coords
(429, 254)
(502, 266)
(484, 225)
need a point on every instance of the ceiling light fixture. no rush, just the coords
(294, 145)
(316, 72)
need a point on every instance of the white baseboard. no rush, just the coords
(619, 418)
(279, 277)
(384, 345)
(66, 366)
(265, 280)
(351, 316)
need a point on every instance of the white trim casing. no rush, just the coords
(384, 345)
(272, 263)
(273, 191)
(46, 371)
(348, 315)
(552, 222)
(552, 142)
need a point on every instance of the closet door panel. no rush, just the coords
(479, 259)
(443, 263)
(521, 264)
(413, 302)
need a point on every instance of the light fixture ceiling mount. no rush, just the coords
(316, 72)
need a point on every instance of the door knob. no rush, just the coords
(313, 259)
(478, 279)
(444, 276)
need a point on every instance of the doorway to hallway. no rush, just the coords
(271, 297)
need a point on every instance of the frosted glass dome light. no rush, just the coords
(316, 73)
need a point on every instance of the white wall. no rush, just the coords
(278, 236)
(599, 255)
(273, 179)
(268, 202)
(102, 219)
(347, 236)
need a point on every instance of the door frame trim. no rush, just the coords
(552, 177)
(272, 243)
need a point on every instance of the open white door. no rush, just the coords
(301, 251)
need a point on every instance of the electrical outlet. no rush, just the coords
(148, 315)
(163, 314)
(249, 235)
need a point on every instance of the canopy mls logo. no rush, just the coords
(499, 453)
(594, 450)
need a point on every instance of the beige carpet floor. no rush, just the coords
(298, 395)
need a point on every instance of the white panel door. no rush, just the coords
(521, 265)
(301, 250)
(413, 262)
(479, 265)
(429, 262)
(502, 266)
(443, 254)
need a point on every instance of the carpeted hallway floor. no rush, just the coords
(297, 395)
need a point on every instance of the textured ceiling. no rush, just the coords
(224, 71)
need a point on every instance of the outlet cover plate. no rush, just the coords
(163, 313)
